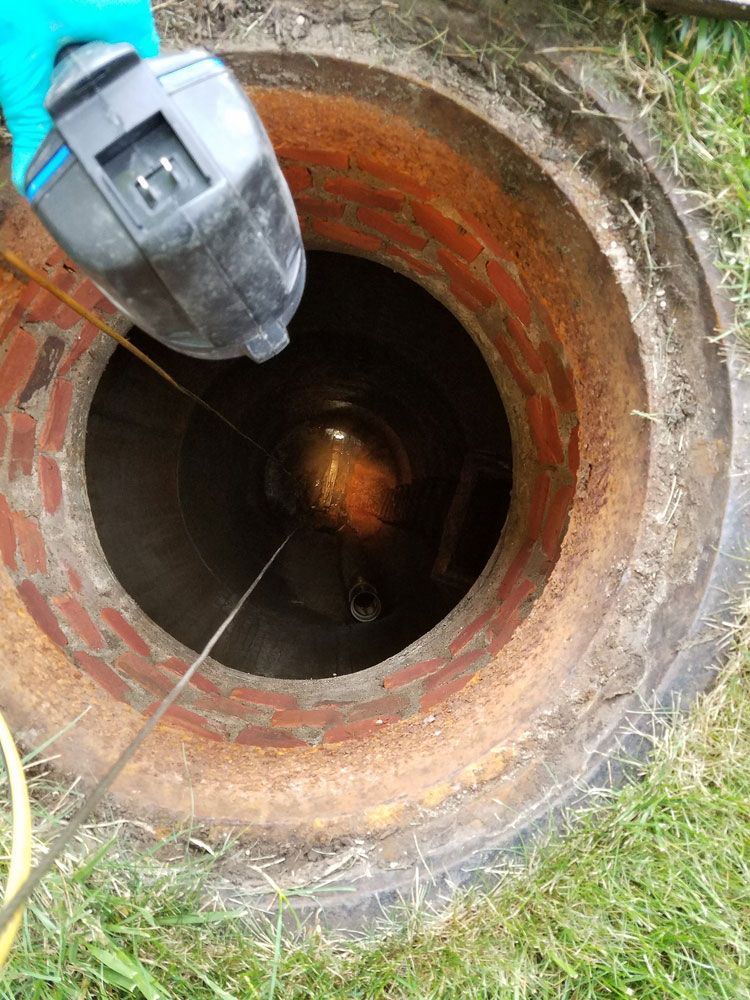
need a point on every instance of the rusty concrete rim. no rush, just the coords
(483, 777)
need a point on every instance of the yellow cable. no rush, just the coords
(43, 281)
(20, 852)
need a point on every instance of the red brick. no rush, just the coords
(298, 178)
(103, 675)
(574, 456)
(364, 194)
(446, 231)
(83, 341)
(42, 308)
(513, 602)
(454, 668)
(198, 679)
(558, 512)
(53, 432)
(183, 718)
(460, 293)
(319, 208)
(517, 566)
(511, 291)
(334, 158)
(125, 631)
(388, 226)
(31, 290)
(50, 483)
(418, 266)
(41, 612)
(45, 305)
(559, 377)
(506, 354)
(227, 706)
(7, 535)
(257, 696)
(488, 238)
(391, 705)
(503, 630)
(74, 579)
(414, 672)
(538, 503)
(394, 178)
(17, 366)
(145, 673)
(80, 621)
(543, 422)
(56, 257)
(470, 631)
(177, 712)
(87, 294)
(290, 718)
(258, 736)
(66, 317)
(460, 274)
(345, 234)
(356, 730)
(443, 692)
(530, 354)
(3, 437)
(30, 543)
(22, 445)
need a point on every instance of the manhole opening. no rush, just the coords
(383, 442)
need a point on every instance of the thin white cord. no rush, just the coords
(96, 796)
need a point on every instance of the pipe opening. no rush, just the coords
(364, 603)
(383, 445)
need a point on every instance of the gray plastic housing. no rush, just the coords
(158, 178)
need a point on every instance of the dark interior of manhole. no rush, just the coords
(390, 455)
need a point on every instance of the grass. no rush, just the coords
(691, 77)
(647, 894)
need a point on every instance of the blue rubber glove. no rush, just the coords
(31, 34)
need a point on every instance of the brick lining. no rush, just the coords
(348, 203)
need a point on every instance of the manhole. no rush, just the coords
(512, 437)
(381, 440)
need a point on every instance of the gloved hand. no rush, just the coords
(31, 34)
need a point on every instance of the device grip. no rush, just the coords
(81, 68)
